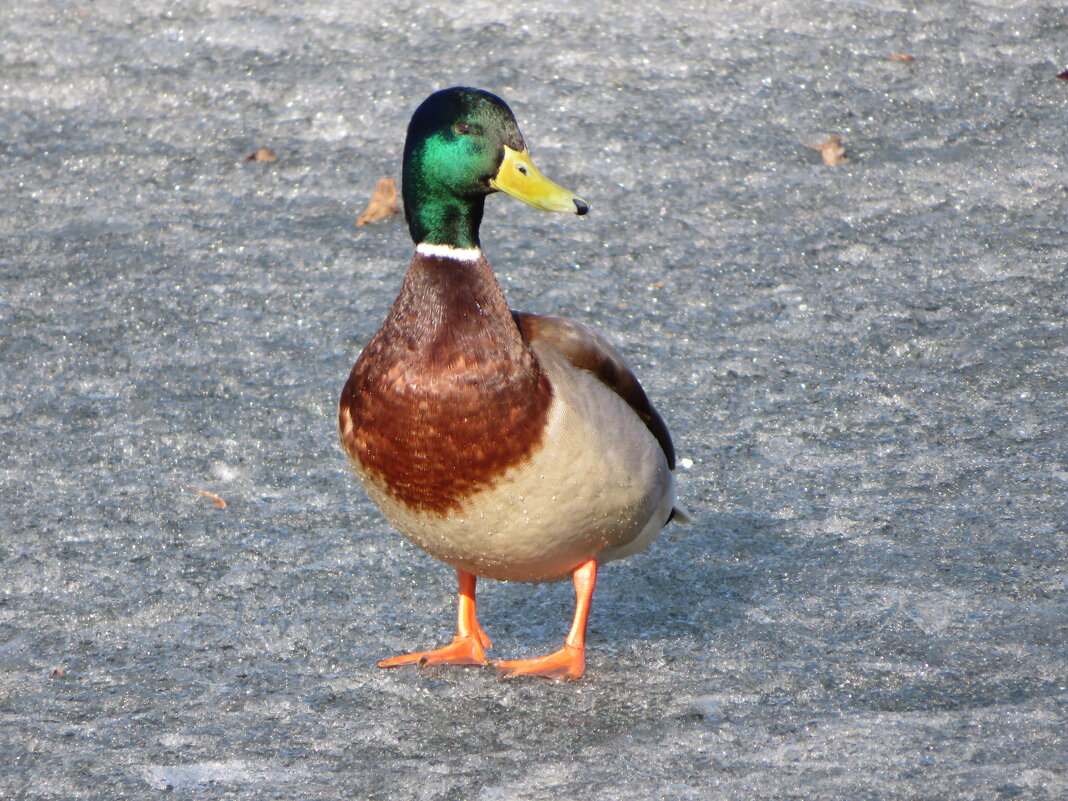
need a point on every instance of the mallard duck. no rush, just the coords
(512, 446)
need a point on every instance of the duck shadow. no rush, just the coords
(690, 583)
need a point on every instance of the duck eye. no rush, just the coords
(463, 128)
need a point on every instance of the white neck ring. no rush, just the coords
(448, 252)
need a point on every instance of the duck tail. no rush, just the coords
(679, 515)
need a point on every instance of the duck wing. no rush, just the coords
(589, 351)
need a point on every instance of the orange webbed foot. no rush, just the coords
(567, 664)
(469, 645)
(467, 649)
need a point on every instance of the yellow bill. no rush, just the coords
(519, 178)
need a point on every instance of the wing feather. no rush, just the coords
(587, 350)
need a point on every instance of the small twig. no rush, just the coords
(211, 496)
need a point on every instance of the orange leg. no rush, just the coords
(570, 661)
(469, 645)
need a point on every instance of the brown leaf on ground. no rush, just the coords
(263, 154)
(58, 673)
(383, 202)
(832, 151)
(211, 496)
(902, 57)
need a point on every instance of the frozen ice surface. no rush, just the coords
(864, 363)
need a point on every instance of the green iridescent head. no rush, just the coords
(462, 145)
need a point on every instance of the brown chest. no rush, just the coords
(446, 397)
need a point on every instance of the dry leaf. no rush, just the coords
(383, 202)
(263, 154)
(832, 151)
(902, 57)
(211, 496)
(58, 673)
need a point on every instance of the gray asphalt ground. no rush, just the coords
(863, 366)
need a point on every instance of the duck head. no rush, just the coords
(462, 145)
